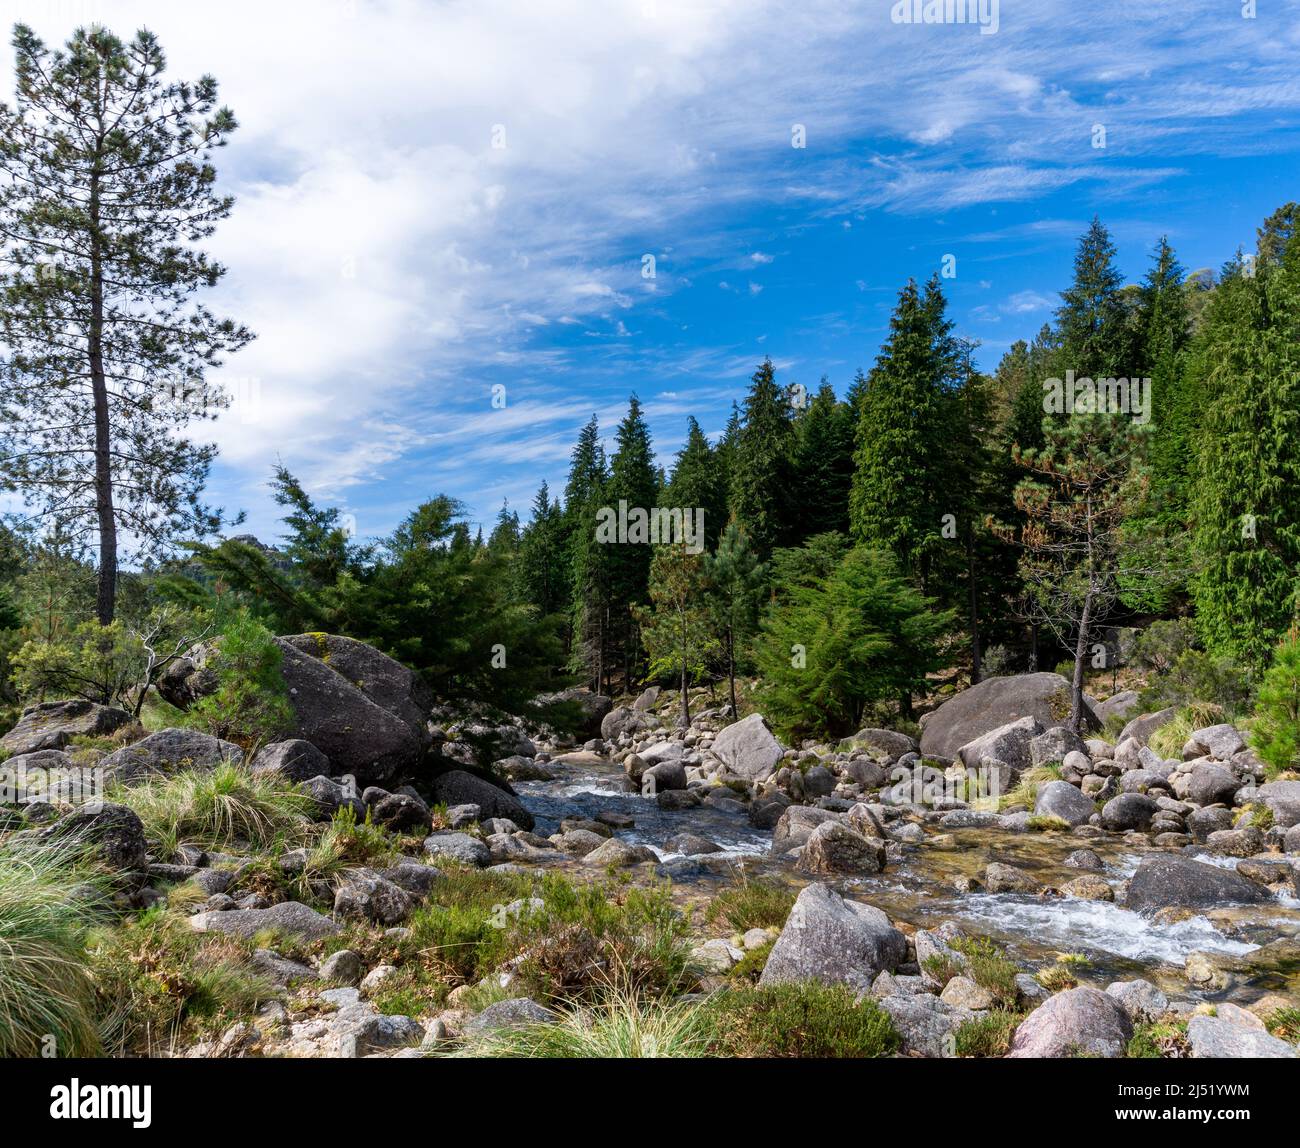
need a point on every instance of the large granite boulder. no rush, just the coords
(748, 749)
(456, 787)
(293, 760)
(834, 941)
(113, 833)
(991, 704)
(169, 751)
(1063, 800)
(1143, 726)
(1077, 1021)
(289, 917)
(366, 712)
(1165, 880)
(1283, 798)
(882, 744)
(1010, 744)
(592, 706)
(53, 725)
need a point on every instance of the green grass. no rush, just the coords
(1158, 1041)
(988, 1035)
(619, 1027)
(750, 967)
(1285, 1024)
(1025, 791)
(219, 808)
(989, 968)
(751, 904)
(46, 991)
(811, 1021)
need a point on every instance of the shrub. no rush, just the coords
(1158, 1041)
(45, 987)
(158, 980)
(752, 905)
(224, 806)
(99, 663)
(251, 701)
(1158, 647)
(750, 967)
(810, 1020)
(1275, 733)
(1197, 676)
(988, 1035)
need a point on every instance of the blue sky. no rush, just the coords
(396, 265)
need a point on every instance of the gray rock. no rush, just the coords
(294, 760)
(796, 825)
(619, 853)
(344, 966)
(331, 796)
(621, 720)
(834, 941)
(53, 725)
(1217, 741)
(169, 751)
(1141, 999)
(291, 917)
(1078, 1020)
(1144, 725)
(1053, 744)
(691, 844)
(1283, 798)
(400, 812)
(1214, 1038)
(991, 704)
(818, 782)
(417, 879)
(883, 744)
(834, 848)
(748, 749)
(1162, 881)
(661, 778)
(1084, 859)
(456, 787)
(281, 969)
(458, 846)
(592, 707)
(1117, 705)
(1212, 784)
(1128, 811)
(115, 833)
(463, 816)
(1063, 800)
(373, 899)
(1000, 878)
(926, 1024)
(1009, 743)
(518, 1012)
(1202, 822)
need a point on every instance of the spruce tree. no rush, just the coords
(1246, 508)
(734, 580)
(584, 495)
(698, 483)
(1091, 321)
(761, 463)
(632, 479)
(108, 190)
(822, 465)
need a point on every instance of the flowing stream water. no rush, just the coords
(920, 888)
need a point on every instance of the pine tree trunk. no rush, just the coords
(1080, 653)
(107, 588)
(686, 700)
(731, 671)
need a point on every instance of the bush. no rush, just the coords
(159, 980)
(251, 701)
(1275, 733)
(1162, 643)
(46, 990)
(228, 805)
(989, 968)
(99, 663)
(1158, 1041)
(1196, 676)
(810, 1021)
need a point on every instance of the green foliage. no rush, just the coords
(822, 464)
(1246, 506)
(699, 481)
(1285, 1024)
(734, 580)
(251, 701)
(158, 982)
(102, 664)
(1198, 677)
(830, 648)
(808, 1021)
(1275, 733)
(677, 629)
(1158, 1041)
(989, 968)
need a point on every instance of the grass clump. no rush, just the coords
(46, 992)
(226, 806)
(751, 905)
(809, 1020)
(750, 967)
(990, 968)
(1025, 791)
(988, 1035)
(1047, 823)
(619, 1027)
(1063, 974)
(1284, 1024)
(1158, 1041)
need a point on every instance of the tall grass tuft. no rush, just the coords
(228, 805)
(48, 897)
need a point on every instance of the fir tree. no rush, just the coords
(761, 465)
(822, 465)
(698, 482)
